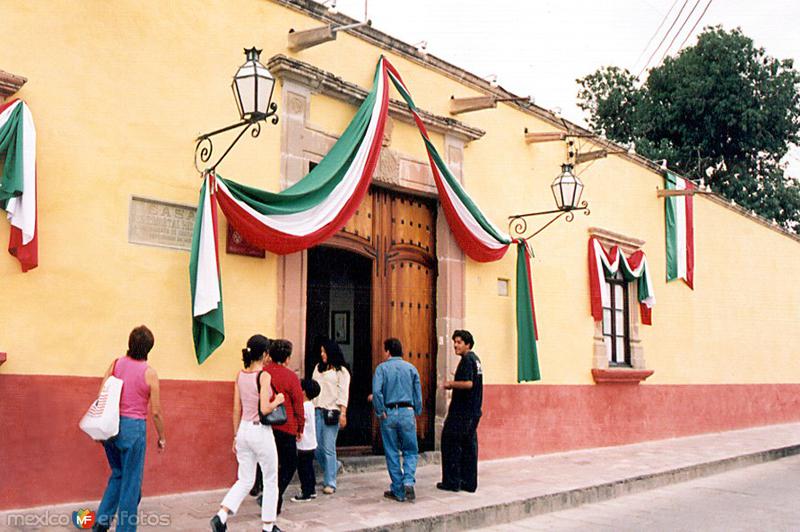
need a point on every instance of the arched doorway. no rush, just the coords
(384, 262)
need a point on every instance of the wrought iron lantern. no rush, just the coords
(253, 86)
(567, 190)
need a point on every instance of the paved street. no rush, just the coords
(759, 497)
(512, 489)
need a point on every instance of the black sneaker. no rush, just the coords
(217, 525)
(276, 529)
(302, 498)
(410, 495)
(389, 495)
(445, 487)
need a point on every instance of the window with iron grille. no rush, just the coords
(616, 321)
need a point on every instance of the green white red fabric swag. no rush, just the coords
(679, 212)
(18, 181)
(604, 264)
(316, 207)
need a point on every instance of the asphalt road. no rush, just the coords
(763, 497)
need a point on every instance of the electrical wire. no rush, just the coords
(658, 29)
(697, 3)
(695, 24)
(664, 38)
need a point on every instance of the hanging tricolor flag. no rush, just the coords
(527, 333)
(317, 206)
(603, 264)
(18, 181)
(680, 230)
(208, 327)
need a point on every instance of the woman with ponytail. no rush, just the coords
(253, 442)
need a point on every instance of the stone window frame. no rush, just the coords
(601, 371)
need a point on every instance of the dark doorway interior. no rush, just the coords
(338, 304)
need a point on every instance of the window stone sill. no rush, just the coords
(620, 375)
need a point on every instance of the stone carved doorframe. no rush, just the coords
(301, 143)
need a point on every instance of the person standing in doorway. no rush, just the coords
(460, 431)
(287, 435)
(330, 409)
(397, 399)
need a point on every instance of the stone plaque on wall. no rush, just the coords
(160, 223)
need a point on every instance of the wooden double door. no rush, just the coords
(396, 232)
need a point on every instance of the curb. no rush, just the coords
(552, 502)
(366, 464)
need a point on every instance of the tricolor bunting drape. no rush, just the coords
(316, 207)
(18, 181)
(679, 211)
(604, 263)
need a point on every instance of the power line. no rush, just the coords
(697, 3)
(695, 24)
(664, 38)
(658, 29)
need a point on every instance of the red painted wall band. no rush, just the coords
(46, 459)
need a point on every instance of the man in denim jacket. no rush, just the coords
(397, 399)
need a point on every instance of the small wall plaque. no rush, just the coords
(237, 245)
(160, 223)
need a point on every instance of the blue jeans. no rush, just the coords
(125, 453)
(399, 433)
(326, 449)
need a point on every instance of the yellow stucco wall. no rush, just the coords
(119, 92)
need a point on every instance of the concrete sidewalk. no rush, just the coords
(508, 489)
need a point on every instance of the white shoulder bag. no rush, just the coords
(101, 422)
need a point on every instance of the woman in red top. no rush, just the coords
(287, 435)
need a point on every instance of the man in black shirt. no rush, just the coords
(460, 431)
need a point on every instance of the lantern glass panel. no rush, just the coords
(578, 193)
(266, 84)
(556, 188)
(245, 91)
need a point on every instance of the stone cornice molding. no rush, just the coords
(628, 244)
(10, 83)
(326, 83)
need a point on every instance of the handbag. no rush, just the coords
(101, 421)
(331, 417)
(278, 415)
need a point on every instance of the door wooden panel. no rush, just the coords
(405, 284)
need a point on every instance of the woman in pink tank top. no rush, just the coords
(126, 450)
(253, 442)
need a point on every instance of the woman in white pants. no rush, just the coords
(253, 442)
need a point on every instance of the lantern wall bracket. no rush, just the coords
(204, 148)
(518, 225)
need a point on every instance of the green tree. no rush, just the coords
(722, 110)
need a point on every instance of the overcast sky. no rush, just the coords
(539, 47)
